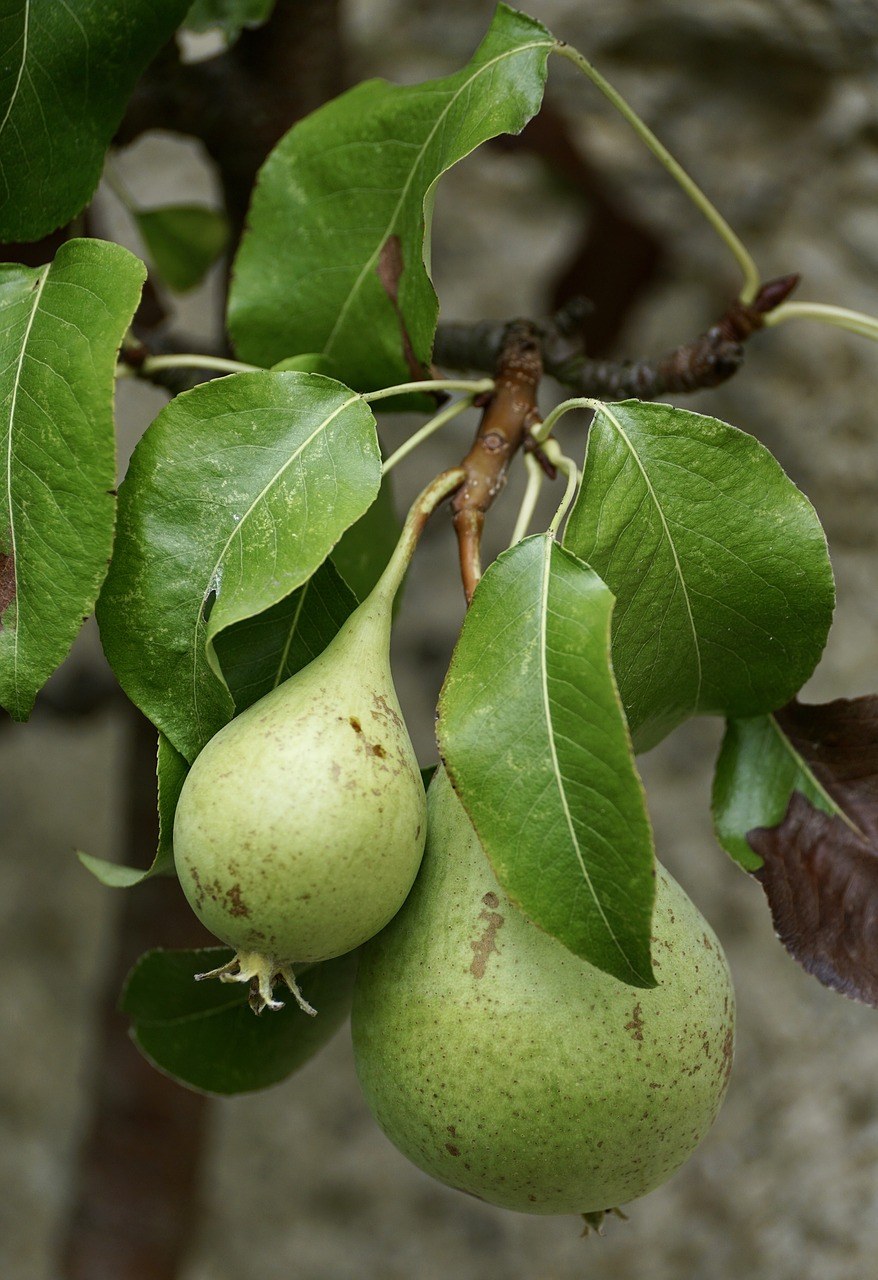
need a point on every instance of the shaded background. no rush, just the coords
(111, 1172)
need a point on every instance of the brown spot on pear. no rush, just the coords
(562, 1100)
(325, 837)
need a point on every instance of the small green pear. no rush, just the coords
(301, 826)
(503, 1065)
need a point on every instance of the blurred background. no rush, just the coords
(110, 1172)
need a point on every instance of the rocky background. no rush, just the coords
(773, 106)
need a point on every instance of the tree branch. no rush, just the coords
(708, 360)
(509, 412)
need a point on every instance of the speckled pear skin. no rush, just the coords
(504, 1066)
(301, 825)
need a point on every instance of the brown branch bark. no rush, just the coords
(507, 415)
(706, 361)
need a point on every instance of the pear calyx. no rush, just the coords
(261, 974)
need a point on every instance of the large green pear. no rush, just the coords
(301, 826)
(503, 1065)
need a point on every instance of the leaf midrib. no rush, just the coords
(20, 76)
(38, 293)
(556, 769)
(293, 628)
(835, 809)
(611, 417)
(369, 264)
(237, 530)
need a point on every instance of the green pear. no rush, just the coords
(301, 826)
(503, 1065)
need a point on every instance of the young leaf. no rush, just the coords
(796, 802)
(257, 654)
(235, 495)
(171, 770)
(65, 76)
(333, 258)
(533, 736)
(205, 1036)
(183, 241)
(718, 564)
(230, 16)
(60, 330)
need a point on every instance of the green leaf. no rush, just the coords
(308, 362)
(333, 258)
(257, 654)
(66, 73)
(171, 770)
(757, 772)
(205, 1036)
(230, 16)
(533, 736)
(183, 241)
(718, 564)
(235, 495)
(60, 329)
(366, 547)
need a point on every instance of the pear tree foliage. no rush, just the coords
(685, 574)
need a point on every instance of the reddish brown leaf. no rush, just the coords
(839, 741)
(820, 871)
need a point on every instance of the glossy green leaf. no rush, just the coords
(257, 654)
(364, 550)
(66, 72)
(204, 1035)
(60, 329)
(235, 495)
(171, 770)
(183, 241)
(533, 736)
(718, 564)
(229, 16)
(333, 258)
(757, 772)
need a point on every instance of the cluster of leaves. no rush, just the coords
(693, 577)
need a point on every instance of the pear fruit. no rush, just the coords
(301, 826)
(503, 1065)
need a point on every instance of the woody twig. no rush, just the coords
(706, 361)
(508, 415)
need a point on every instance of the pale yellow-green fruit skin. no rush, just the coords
(504, 1066)
(301, 826)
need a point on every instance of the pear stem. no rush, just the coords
(440, 488)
